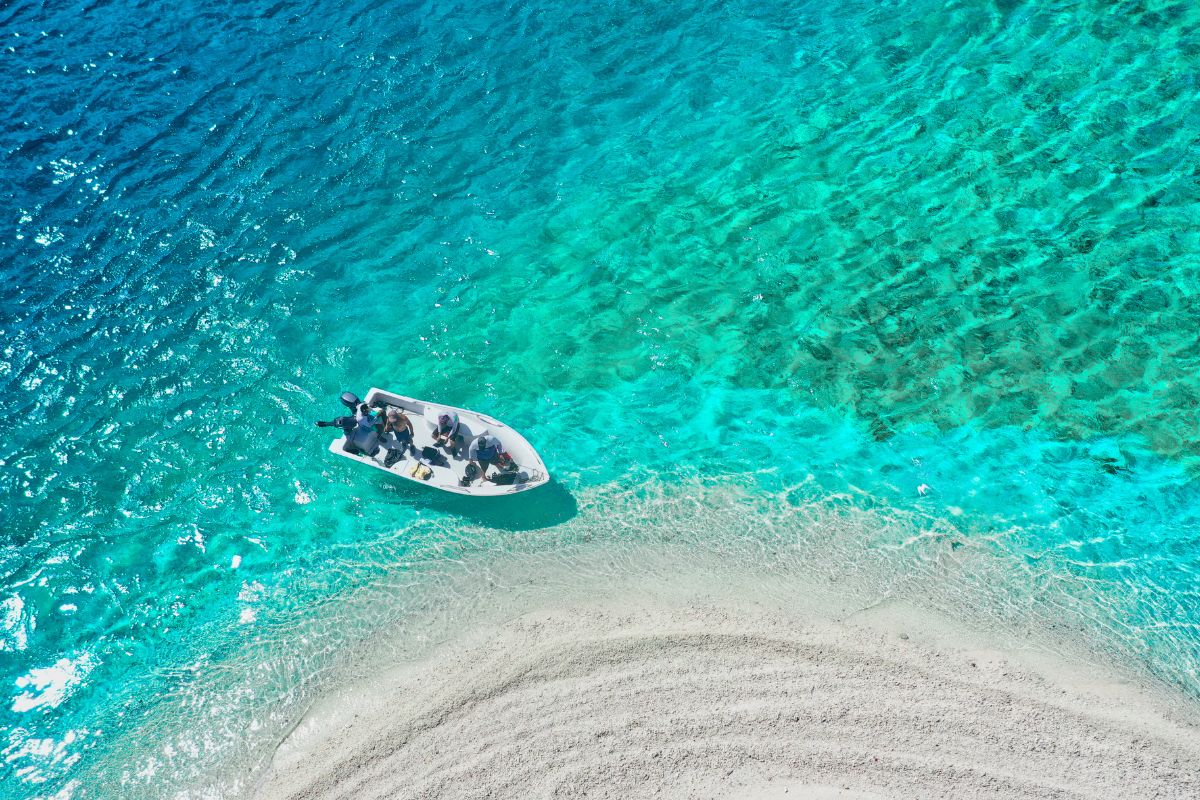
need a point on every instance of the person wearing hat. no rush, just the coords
(486, 451)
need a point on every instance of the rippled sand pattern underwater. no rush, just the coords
(973, 213)
(969, 217)
(924, 255)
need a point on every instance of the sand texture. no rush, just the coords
(705, 699)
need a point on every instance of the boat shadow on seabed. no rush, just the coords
(544, 507)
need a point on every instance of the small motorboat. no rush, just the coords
(433, 466)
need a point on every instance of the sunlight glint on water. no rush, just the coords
(906, 289)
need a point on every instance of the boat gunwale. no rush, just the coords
(537, 468)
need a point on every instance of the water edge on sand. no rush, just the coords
(718, 682)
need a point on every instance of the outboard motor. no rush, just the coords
(351, 401)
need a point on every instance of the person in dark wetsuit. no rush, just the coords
(361, 430)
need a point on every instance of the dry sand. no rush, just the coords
(706, 696)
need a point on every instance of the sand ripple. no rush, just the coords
(712, 700)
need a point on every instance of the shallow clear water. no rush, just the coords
(907, 288)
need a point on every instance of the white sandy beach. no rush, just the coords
(719, 693)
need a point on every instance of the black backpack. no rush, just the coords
(508, 478)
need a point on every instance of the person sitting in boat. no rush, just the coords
(450, 433)
(487, 451)
(397, 436)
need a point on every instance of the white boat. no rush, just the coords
(446, 472)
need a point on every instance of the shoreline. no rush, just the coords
(707, 686)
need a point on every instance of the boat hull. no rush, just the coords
(447, 473)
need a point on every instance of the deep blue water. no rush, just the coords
(909, 288)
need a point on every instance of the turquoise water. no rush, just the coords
(907, 289)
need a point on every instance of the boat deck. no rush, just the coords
(448, 471)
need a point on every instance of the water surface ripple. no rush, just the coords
(899, 295)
